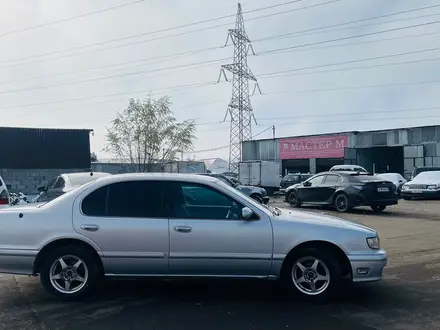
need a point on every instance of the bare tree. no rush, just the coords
(146, 135)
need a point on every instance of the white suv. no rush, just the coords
(4, 195)
(348, 168)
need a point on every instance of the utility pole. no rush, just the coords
(239, 108)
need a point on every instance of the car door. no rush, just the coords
(309, 192)
(329, 186)
(128, 221)
(205, 241)
(56, 188)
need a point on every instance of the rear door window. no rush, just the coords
(331, 180)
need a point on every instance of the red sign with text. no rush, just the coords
(313, 147)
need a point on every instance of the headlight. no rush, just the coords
(404, 187)
(432, 187)
(373, 243)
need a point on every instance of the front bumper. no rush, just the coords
(425, 193)
(368, 267)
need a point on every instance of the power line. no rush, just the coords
(354, 68)
(304, 32)
(264, 75)
(208, 49)
(197, 64)
(350, 61)
(155, 32)
(158, 38)
(278, 50)
(72, 18)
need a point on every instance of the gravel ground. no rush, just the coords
(407, 298)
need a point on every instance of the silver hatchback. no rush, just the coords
(174, 225)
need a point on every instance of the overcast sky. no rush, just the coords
(86, 88)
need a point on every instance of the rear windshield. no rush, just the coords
(291, 177)
(365, 178)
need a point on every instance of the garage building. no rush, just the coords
(393, 150)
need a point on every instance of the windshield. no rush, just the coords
(78, 179)
(64, 196)
(431, 175)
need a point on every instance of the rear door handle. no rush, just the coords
(90, 227)
(182, 229)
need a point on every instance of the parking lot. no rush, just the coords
(407, 298)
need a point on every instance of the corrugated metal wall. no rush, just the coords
(269, 149)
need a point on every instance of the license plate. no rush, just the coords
(383, 189)
(416, 191)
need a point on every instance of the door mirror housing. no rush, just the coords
(307, 184)
(41, 189)
(246, 213)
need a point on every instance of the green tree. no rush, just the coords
(146, 135)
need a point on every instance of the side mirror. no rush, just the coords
(307, 184)
(41, 189)
(246, 213)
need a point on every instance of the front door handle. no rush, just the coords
(182, 229)
(90, 227)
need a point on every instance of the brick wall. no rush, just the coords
(27, 181)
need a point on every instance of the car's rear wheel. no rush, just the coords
(257, 198)
(293, 199)
(341, 203)
(69, 272)
(378, 208)
(313, 274)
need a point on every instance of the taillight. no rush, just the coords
(4, 198)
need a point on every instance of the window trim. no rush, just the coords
(107, 186)
(331, 174)
(172, 217)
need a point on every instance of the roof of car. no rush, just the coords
(193, 177)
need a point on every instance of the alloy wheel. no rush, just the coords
(311, 276)
(341, 203)
(68, 274)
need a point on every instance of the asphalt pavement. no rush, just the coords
(407, 298)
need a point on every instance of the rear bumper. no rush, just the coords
(368, 267)
(368, 200)
(17, 261)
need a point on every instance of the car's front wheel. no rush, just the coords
(313, 274)
(378, 208)
(69, 272)
(293, 199)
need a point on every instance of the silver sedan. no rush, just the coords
(174, 225)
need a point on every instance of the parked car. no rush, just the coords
(343, 191)
(421, 169)
(395, 178)
(257, 193)
(291, 179)
(425, 184)
(64, 183)
(4, 194)
(97, 230)
(348, 168)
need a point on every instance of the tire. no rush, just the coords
(302, 270)
(341, 203)
(378, 208)
(71, 264)
(257, 198)
(407, 198)
(293, 199)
